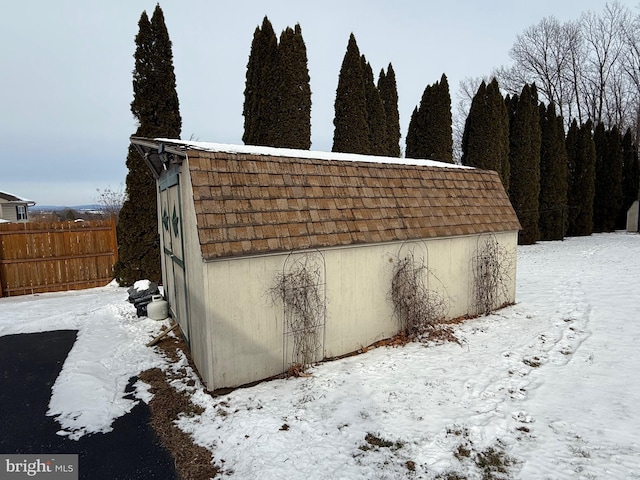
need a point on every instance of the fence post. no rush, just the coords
(114, 238)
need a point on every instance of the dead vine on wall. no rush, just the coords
(300, 289)
(492, 267)
(417, 308)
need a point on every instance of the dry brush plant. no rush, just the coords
(492, 269)
(300, 289)
(418, 309)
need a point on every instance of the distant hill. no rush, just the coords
(60, 208)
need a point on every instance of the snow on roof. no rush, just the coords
(309, 154)
(9, 197)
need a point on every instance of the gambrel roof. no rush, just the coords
(258, 200)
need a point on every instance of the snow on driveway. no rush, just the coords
(545, 389)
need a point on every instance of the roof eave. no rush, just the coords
(158, 155)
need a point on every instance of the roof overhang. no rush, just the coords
(11, 199)
(159, 155)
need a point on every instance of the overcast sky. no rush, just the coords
(66, 71)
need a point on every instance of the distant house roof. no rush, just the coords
(254, 200)
(9, 197)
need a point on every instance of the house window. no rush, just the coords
(21, 212)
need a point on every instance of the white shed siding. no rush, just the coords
(246, 326)
(200, 331)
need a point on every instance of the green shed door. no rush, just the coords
(173, 248)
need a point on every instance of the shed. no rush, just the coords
(237, 221)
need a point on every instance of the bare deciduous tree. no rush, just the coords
(631, 66)
(112, 200)
(548, 54)
(603, 35)
(590, 68)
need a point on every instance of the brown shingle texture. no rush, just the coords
(256, 204)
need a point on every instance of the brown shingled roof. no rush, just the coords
(253, 204)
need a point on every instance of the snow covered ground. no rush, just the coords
(546, 389)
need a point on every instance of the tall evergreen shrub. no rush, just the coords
(156, 108)
(553, 175)
(431, 134)
(351, 130)
(389, 96)
(608, 192)
(376, 119)
(581, 161)
(485, 140)
(524, 148)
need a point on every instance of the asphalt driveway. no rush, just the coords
(29, 366)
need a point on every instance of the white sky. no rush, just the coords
(66, 83)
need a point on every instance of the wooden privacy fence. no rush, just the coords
(38, 257)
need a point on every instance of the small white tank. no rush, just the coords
(158, 308)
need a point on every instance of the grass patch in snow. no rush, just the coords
(494, 463)
(450, 476)
(375, 442)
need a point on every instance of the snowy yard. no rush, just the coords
(546, 389)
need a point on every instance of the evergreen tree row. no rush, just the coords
(558, 185)
(366, 116)
(277, 98)
(277, 105)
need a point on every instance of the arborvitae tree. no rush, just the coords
(156, 108)
(630, 177)
(485, 141)
(571, 146)
(252, 86)
(293, 124)
(553, 175)
(432, 134)
(260, 94)
(524, 148)
(608, 195)
(500, 115)
(389, 96)
(587, 156)
(600, 140)
(351, 131)
(474, 149)
(416, 145)
(439, 124)
(375, 113)
(616, 163)
(581, 161)
(411, 134)
(277, 96)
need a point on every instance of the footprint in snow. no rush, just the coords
(522, 417)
